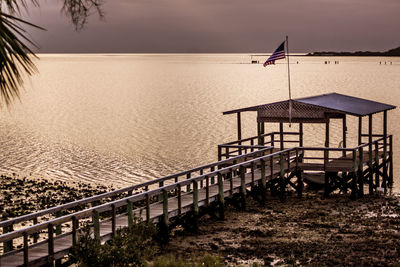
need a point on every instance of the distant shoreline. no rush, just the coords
(390, 53)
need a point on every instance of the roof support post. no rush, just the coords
(262, 132)
(384, 178)
(301, 134)
(259, 133)
(359, 129)
(370, 174)
(344, 134)
(239, 131)
(326, 154)
(239, 127)
(281, 135)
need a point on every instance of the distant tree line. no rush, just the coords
(390, 53)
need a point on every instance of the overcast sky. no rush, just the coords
(135, 26)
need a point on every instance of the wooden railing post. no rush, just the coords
(201, 181)
(282, 177)
(160, 184)
(390, 162)
(113, 220)
(58, 227)
(271, 162)
(179, 199)
(129, 209)
(212, 169)
(263, 179)
(300, 184)
(272, 139)
(207, 191)
(75, 226)
(221, 199)
(50, 231)
(252, 144)
(231, 182)
(377, 184)
(281, 141)
(243, 185)
(354, 180)
(36, 234)
(219, 153)
(96, 224)
(165, 208)
(252, 174)
(8, 245)
(371, 167)
(26, 249)
(195, 207)
(163, 223)
(360, 172)
(147, 208)
(188, 186)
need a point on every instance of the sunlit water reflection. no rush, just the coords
(123, 119)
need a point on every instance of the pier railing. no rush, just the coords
(243, 146)
(141, 200)
(216, 175)
(58, 211)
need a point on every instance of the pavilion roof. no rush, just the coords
(316, 107)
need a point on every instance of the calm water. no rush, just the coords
(123, 119)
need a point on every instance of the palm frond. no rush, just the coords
(15, 56)
(79, 11)
(15, 6)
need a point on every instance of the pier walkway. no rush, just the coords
(54, 231)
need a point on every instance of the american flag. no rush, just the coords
(278, 54)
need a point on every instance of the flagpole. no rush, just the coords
(290, 92)
(287, 52)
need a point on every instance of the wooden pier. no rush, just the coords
(274, 163)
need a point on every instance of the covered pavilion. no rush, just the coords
(354, 165)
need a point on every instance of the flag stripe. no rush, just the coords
(278, 54)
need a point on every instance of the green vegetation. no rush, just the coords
(130, 247)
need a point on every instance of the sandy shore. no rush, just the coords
(312, 231)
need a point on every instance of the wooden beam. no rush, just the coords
(384, 178)
(301, 134)
(281, 135)
(294, 120)
(239, 127)
(371, 182)
(262, 132)
(259, 133)
(360, 172)
(327, 134)
(359, 129)
(326, 152)
(344, 130)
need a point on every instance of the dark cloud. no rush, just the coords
(222, 26)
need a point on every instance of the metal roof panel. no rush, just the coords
(347, 104)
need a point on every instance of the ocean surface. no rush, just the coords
(127, 118)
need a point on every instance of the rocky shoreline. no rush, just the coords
(309, 232)
(21, 196)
